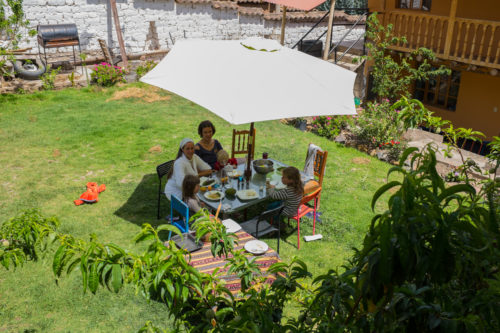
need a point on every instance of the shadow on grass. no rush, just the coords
(141, 206)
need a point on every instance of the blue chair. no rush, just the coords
(182, 209)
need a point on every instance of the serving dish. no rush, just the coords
(247, 194)
(231, 226)
(256, 247)
(263, 166)
(214, 195)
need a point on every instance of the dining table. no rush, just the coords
(239, 201)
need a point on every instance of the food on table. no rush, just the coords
(213, 195)
(208, 182)
(281, 168)
(234, 174)
(250, 193)
(203, 188)
(230, 192)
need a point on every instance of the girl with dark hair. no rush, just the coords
(186, 163)
(191, 186)
(292, 194)
(207, 147)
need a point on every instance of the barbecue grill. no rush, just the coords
(58, 35)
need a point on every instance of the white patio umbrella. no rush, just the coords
(244, 81)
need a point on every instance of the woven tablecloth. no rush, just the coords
(204, 261)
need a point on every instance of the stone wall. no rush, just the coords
(156, 24)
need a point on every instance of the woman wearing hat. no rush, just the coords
(186, 163)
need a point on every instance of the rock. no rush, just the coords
(340, 138)
(363, 148)
(373, 153)
(382, 155)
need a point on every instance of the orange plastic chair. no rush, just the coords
(303, 209)
(319, 172)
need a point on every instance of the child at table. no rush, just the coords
(292, 194)
(224, 162)
(191, 186)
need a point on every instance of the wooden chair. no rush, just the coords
(162, 170)
(303, 209)
(240, 143)
(319, 172)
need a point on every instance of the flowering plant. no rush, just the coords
(329, 126)
(377, 124)
(107, 75)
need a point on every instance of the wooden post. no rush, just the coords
(451, 24)
(248, 171)
(119, 32)
(283, 23)
(329, 32)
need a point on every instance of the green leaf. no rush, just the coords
(456, 189)
(116, 277)
(93, 278)
(169, 227)
(382, 190)
(72, 265)
(58, 260)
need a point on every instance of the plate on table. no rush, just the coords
(205, 181)
(231, 226)
(214, 195)
(247, 194)
(256, 247)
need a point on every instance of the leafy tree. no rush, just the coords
(393, 73)
(12, 26)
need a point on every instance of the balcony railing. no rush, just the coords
(471, 41)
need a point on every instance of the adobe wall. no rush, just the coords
(156, 24)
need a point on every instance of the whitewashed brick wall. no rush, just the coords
(173, 21)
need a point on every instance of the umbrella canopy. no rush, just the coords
(254, 80)
(298, 4)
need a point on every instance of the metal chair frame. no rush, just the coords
(303, 209)
(262, 220)
(162, 170)
(177, 205)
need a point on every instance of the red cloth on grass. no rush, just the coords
(91, 194)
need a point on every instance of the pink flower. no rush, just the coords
(329, 118)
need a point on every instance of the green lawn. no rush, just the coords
(52, 143)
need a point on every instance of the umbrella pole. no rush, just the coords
(283, 23)
(248, 171)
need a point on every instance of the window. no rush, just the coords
(415, 4)
(441, 91)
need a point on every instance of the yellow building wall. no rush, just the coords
(479, 9)
(475, 9)
(478, 96)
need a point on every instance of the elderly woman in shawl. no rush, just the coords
(186, 163)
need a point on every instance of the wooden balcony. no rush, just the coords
(470, 41)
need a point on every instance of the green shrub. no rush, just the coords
(107, 75)
(144, 68)
(329, 126)
(49, 78)
(377, 124)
